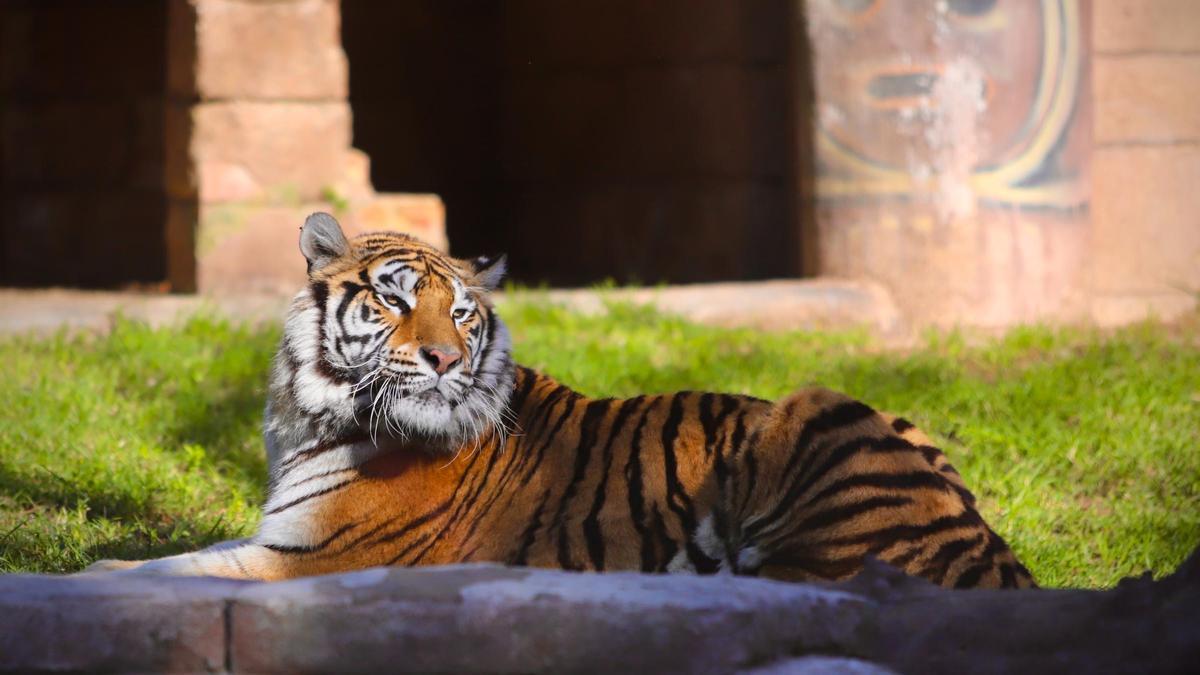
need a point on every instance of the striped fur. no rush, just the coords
(511, 466)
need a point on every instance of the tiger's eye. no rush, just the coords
(394, 301)
(459, 314)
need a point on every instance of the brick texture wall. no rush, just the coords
(1146, 158)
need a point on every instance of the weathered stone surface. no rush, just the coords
(423, 620)
(1141, 626)
(284, 151)
(819, 665)
(1146, 238)
(1146, 25)
(87, 624)
(789, 304)
(488, 618)
(231, 238)
(991, 270)
(1147, 98)
(769, 305)
(299, 58)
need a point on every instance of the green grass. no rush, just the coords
(1083, 447)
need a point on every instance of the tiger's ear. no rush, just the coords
(322, 241)
(488, 271)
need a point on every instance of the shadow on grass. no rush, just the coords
(226, 420)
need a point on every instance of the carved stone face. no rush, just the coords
(888, 68)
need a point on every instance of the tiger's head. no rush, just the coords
(395, 336)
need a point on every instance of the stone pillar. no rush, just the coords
(952, 144)
(258, 136)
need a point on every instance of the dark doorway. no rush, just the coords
(81, 142)
(591, 139)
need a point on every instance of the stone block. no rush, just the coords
(267, 50)
(253, 247)
(1147, 98)
(993, 269)
(485, 618)
(1146, 26)
(278, 151)
(781, 304)
(82, 624)
(1146, 220)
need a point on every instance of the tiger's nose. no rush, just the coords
(440, 360)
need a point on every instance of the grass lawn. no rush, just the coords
(1083, 447)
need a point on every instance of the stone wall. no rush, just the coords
(259, 135)
(952, 154)
(487, 619)
(1146, 159)
(1000, 163)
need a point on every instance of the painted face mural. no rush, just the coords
(985, 94)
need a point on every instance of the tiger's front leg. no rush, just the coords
(235, 559)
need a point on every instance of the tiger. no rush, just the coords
(400, 431)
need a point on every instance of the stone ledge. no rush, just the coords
(767, 305)
(489, 618)
(460, 618)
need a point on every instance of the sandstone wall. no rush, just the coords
(259, 136)
(1146, 159)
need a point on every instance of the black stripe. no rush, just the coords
(311, 495)
(568, 410)
(901, 425)
(318, 449)
(659, 537)
(320, 293)
(593, 413)
(319, 546)
(939, 563)
(829, 419)
(833, 458)
(427, 537)
(414, 523)
(893, 481)
(846, 512)
(970, 578)
(677, 498)
(521, 556)
(633, 482)
(1007, 578)
(906, 532)
(591, 524)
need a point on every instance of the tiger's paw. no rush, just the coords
(112, 566)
